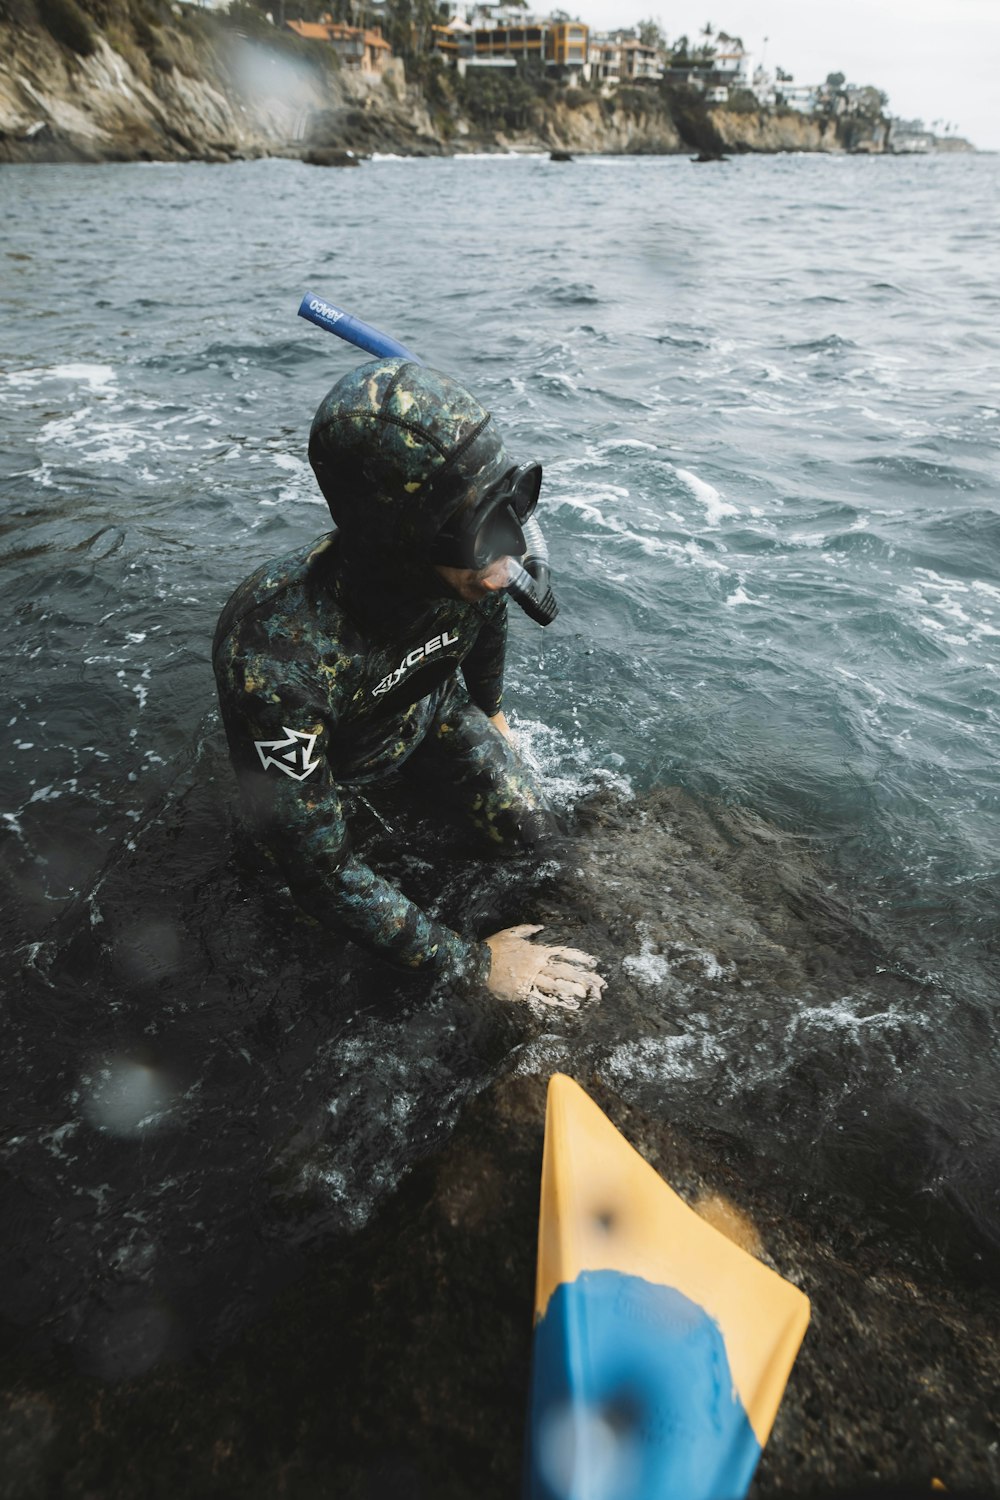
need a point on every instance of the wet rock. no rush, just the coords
(329, 157)
(366, 1332)
(398, 1364)
(27, 1428)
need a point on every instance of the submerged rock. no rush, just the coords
(299, 1206)
(328, 157)
(398, 1363)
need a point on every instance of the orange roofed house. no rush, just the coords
(368, 51)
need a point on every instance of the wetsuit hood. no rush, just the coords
(399, 451)
(397, 448)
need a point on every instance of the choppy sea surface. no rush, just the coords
(767, 398)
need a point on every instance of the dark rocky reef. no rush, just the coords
(329, 157)
(392, 1359)
(398, 1363)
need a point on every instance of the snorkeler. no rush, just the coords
(378, 648)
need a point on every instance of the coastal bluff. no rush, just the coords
(182, 84)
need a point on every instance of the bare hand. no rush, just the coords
(532, 971)
(499, 722)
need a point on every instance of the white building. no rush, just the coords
(803, 97)
(731, 60)
(619, 57)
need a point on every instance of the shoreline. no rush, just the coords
(17, 151)
(211, 159)
(212, 93)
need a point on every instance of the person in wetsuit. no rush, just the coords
(380, 647)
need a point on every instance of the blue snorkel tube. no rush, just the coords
(529, 583)
(346, 326)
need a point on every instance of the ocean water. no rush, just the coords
(766, 395)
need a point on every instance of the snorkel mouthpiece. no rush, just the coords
(498, 525)
(528, 584)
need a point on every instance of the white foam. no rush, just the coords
(567, 769)
(93, 440)
(691, 1057)
(623, 445)
(655, 963)
(647, 967)
(545, 1054)
(291, 463)
(499, 156)
(302, 489)
(707, 495)
(653, 546)
(695, 554)
(97, 378)
(842, 1019)
(739, 596)
(937, 609)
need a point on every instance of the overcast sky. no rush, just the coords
(936, 59)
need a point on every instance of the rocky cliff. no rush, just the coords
(200, 90)
(179, 83)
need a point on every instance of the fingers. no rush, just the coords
(575, 956)
(569, 972)
(558, 1000)
(577, 979)
(556, 976)
(565, 986)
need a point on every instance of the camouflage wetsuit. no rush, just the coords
(327, 681)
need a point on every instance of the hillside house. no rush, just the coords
(483, 41)
(619, 57)
(639, 62)
(359, 48)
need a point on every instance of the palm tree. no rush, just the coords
(408, 23)
(650, 35)
(706, 52)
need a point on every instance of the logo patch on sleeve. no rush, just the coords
(292, 755)
(411, 659)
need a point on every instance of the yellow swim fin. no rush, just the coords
(661, 1348)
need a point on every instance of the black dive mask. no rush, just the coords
(501, 525)
(492, 528)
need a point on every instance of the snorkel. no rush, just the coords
(501, 523)
(528, 583)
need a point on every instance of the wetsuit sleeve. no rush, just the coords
(483, 667)
(294, 803)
